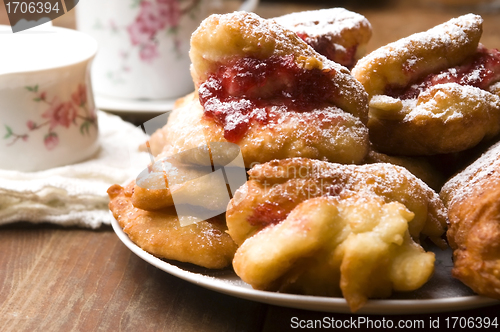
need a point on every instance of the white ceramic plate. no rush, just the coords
(122, 105)
(440, 294)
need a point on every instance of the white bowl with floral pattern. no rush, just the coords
(47, 110)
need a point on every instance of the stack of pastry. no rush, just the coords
(433, 92)
(437, 92)
(338, 193)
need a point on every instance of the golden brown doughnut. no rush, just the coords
(155, 187)
(358, 248)
(316, 228)
(473, 201)
(222, 40)
(267, 91)
(205, 243)
(446, 118)
(276, 187)
(257, 59)
(328, 133)
(429, 91)
(403, 62)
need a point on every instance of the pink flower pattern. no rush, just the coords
(148, 52)
(58, 113)
(51, 140)
(79, 97)
(154, 17)
(31, 125)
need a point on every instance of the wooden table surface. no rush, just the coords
(73, 279)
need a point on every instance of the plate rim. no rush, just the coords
(307, 302)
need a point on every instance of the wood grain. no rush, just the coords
(56, 279)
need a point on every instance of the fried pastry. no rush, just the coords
(328, 133)
(155, 187)
(318, 228)
(157, 141)
(276, 187)
(337, 33)
(495, 88)
(473, 201)
(264, 89)
(429, 91)
(242, 57)
(159, 232)
(358, 248)
(418, 166)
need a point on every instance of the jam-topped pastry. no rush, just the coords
(430, 93)
(337, 33)
(481, 69)
(251, 58)
(263, 88)
(328, 133)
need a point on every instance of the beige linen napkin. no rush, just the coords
(75, 195)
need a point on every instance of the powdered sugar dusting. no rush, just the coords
(495, 88)
(450, 101)
(409, 59)
(331, 21)
(336, 33)
(480, 70)
(225, 40)
(391, 182)
(465, 183)
(453, 32)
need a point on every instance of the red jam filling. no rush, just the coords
(273, 212)
(482, 70)
(245, 90)
(266, 214)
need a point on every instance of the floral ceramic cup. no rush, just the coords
(143, 45)
(47, 112)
